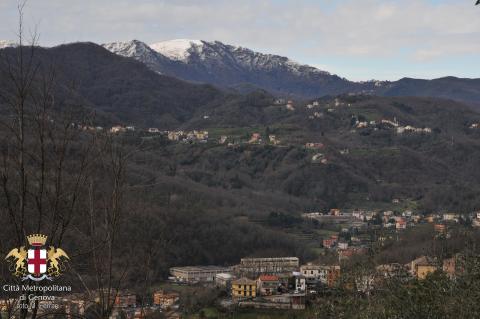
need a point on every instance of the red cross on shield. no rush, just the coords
(37, 261)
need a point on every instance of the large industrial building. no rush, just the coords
(253, 267)
(194, 274)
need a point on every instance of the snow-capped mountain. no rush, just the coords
(179, 49)
(141, 52)
(216, 52)
(240, 68)
(7, 44)
(134, 48)
(232, 66)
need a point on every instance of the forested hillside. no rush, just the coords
(193, 201)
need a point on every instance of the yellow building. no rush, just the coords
(424, 269)
(244, 288)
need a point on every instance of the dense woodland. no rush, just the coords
(198, 193)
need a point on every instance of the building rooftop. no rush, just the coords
(200, 268)
(268, 278)
(269, 259)
(244, 281)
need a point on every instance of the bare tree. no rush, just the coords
(46, 160)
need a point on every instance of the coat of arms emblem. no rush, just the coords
(37, 262)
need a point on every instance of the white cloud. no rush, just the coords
(412, 30)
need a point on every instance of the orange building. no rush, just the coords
(333, 274)
(165, 299)
(125, 299)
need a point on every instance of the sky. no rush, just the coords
(356, 39)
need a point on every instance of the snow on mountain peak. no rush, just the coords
(176, 49)
(7, 44)
(129, 48)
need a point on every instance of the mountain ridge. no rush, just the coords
(229, 66)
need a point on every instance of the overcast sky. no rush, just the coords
(356, 39)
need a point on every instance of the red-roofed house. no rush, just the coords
(268, 284)
(401, 224)
(329, 243)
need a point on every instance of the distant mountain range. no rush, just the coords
(240, 68)
(243, 70)
(230, 66)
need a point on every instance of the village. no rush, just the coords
(279, 282)
(255, 283)
(284, 282)
(319, 153)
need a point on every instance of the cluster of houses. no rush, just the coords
(121, 129)
(360, 230)
(316, 115)
(312, 105)
(419, 269)
(317, 157)
(278, 282)
(177, 136)
(336, 103)
(389, 124)
(361, 219)
(330, 107)
(256, 139)
(288, 104)
(261, 283)
(282, 283)
(188, 136)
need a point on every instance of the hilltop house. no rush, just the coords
(223, 139)
(273, 139)
(256, 138)
(314, 146)
(117, 129)
(290, 106)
